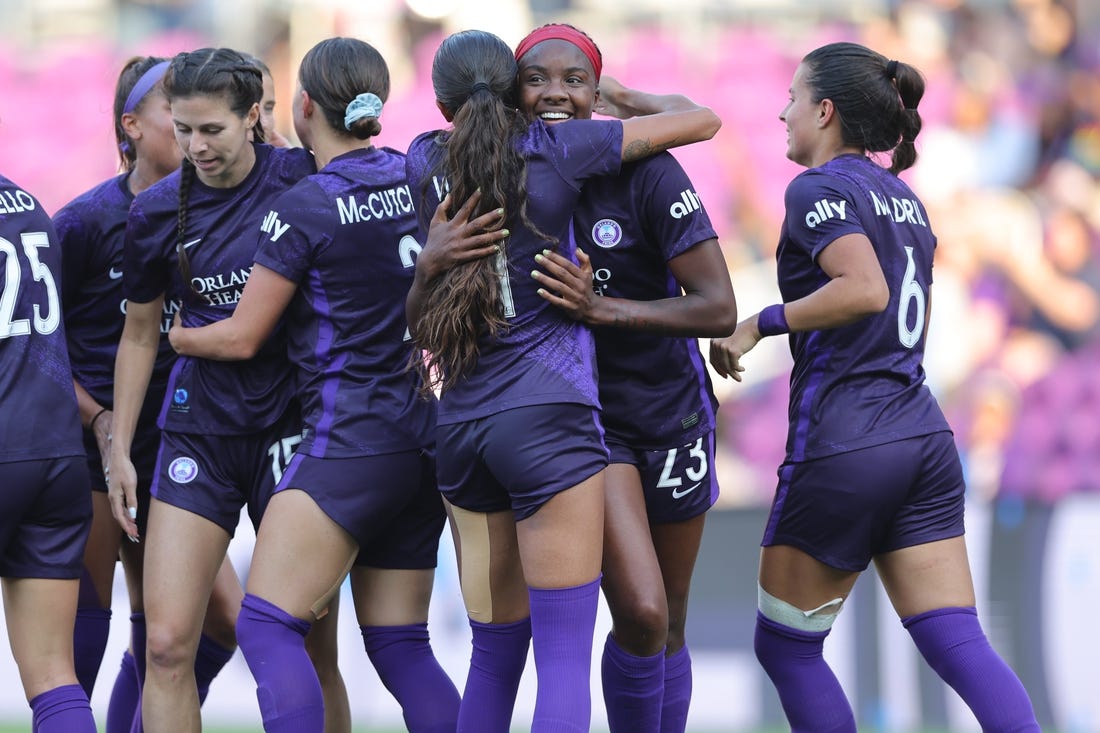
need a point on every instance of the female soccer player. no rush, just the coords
(871, 472)
(663, 282)
(90, 231)
(521, 454)
(45, 509)
(338, 259)
(226, 427)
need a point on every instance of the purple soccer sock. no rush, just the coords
(125, 696)
(209, 660)
(809, 691)
(496, 666)
(562, 624)
(951, 640)
(93, 625)
(633, 689)
(63, 709)
(137, 647)
(287, 688)
(674, 710)
(403, 657)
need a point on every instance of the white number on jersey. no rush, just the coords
(31, 241)
(501, 266)
(911, 294)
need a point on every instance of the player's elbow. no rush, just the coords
(874, 296)
(724, 320)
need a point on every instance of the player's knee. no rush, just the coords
(815, 620)
(167, 647)
(641, 626)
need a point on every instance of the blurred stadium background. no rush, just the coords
(1010, 160)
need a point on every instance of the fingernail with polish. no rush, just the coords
(133, 512)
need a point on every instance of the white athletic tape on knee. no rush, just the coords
(816, 619)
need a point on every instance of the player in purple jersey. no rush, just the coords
(321, 642)
(871, 472)
(91, 230)
(664, 283)
(227, 429)
(45, 510)
(521, 454)
(338, 259)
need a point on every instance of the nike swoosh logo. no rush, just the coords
(114, 274)
(677, 494)
(192, 243)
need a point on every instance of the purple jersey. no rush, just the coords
(654, 389)
(91, 229)
(543, 357)
(862, 384)
(38, 416)
(346, 235)
(222, 232)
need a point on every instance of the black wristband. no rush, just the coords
(91, 423)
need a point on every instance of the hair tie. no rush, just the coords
(478, 86)
(146, 82)
(892, 69)
(366, 104)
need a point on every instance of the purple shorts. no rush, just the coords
(389, 503)
(678, 483)
(215, 475)
(845, 509)
(45, 515)
(519, 458)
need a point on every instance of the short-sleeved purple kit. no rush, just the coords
(222, 231)
(861, 385)
(543, 357)
(654, 389)
(346, 236)
(45, 509)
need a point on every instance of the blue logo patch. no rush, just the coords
(180, 396)
(607, 233)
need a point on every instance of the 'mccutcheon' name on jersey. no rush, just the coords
(387, 204)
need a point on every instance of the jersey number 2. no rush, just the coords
(9, 326)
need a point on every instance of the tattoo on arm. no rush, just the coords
(638, 149)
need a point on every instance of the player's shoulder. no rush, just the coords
(107, 194)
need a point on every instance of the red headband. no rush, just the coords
(562, 32)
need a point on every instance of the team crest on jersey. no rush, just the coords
(183, 470)
(607, 233)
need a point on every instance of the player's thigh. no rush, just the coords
(631, 574)
(561, 544)
(491, 574)
(391, 597)
(796, 577)
(926, 577)
(183, 552)
(298, 541)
